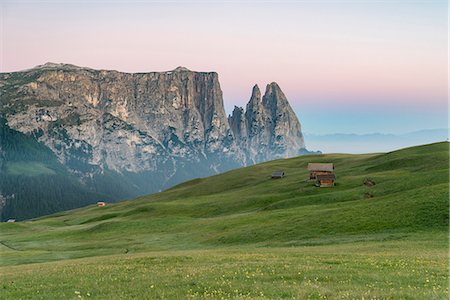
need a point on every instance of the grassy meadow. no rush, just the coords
(243, 235)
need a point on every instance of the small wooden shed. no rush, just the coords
(101, 203)
(319, 168)
(277, 175)
(325, 180)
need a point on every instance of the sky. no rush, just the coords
(345, 66)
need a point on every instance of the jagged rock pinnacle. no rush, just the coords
(255, 90)
(272, 129)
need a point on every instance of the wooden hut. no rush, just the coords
(277, 175)
(319, 168)
(325, 180)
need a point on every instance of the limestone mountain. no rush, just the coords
(127, 134)
(269, 128)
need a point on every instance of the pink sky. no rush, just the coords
(342, 56)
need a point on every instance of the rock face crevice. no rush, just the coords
(160, 128)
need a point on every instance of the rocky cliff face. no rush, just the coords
(156, 128)
(269, 128)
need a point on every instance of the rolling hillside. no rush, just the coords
(292, 238)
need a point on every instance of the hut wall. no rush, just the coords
(326, 182)
(313, 174)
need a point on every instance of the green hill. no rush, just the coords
(242, 234)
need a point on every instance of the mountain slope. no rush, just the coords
(246, 207)
(27, 170)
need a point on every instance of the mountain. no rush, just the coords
(268, 128)
(375, 142)
(127, 134)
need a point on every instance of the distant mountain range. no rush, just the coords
(73, 135)
(375, 142)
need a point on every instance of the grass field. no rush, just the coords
(242, 235)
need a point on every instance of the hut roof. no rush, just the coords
(326, 167)
(326, 177)
(278, 174)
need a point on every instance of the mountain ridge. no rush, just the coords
(373, 142)
(53, 65)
